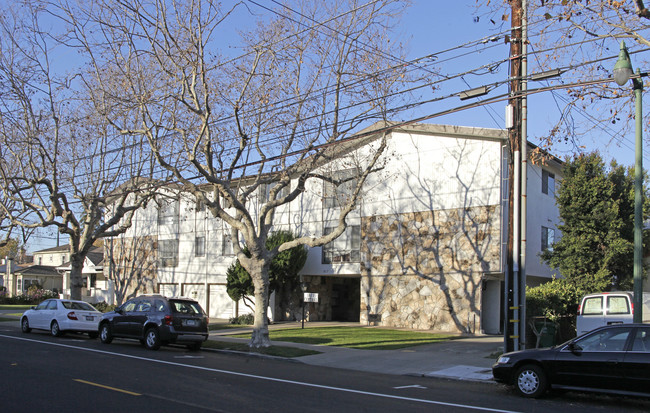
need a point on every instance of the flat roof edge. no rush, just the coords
(454, 130)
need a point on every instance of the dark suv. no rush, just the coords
(156, 320)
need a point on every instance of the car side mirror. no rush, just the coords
(574, 348)
(119, 310)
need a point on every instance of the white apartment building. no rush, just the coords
(424, 248)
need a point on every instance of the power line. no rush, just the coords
(411, 105)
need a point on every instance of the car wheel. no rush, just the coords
(105, 334)
(530, 381)
(93, 334)
(152, 339)
(55, 330)
(194, 346)
(24, 325)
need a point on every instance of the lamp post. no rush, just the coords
(622, 73)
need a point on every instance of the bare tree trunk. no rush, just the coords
(76, 279)
(260, 336)
(260, 274)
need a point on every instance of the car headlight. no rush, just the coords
(503, 359)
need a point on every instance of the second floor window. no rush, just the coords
(226, 245)
(200, 205)
(336, 196)
(168, 253)
(264, 192)
(548, 182)
(168, 211)
(199, 246)
(345, 248)
(548, 238)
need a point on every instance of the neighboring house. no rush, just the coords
(96, 288)
(8, 266)
(43, 272)
(51, 271)
(424, 249)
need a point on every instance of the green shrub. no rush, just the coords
(104, 307)
(553, 300)
(246, 319)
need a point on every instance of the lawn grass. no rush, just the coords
(278, 351)
(7, 319)
(15, 307)
(219, 326)
(366, 338)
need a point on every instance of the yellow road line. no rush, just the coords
(108, 387)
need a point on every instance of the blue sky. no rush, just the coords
(438, 25)
(432, 26)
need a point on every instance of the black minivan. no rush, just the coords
(157, 320)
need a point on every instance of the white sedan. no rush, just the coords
(59, 316)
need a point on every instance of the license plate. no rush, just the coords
(89, 318)
(191, 323)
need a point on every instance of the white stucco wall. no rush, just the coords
(542, 211)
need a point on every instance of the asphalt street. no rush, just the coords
(73, 373)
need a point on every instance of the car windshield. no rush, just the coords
(185, 307)
(72, 305)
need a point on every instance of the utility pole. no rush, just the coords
(512, 316)
(523, 209)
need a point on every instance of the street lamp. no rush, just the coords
(622, 73)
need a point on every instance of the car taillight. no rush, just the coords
(579, 309)
(167, 320)
(72, 316)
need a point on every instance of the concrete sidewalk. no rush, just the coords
(467, 358)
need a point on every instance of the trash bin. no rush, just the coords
(546, 333)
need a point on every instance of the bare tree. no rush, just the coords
(310, 75)
(581, 38)
(61, 162)
(132, 266)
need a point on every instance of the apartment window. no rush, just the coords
(548, 238)
(548, 182)
(264, 191)
(345, 248)
(200, 205)
(335, 196)
(199, 246)
(226, 245)
(167, 211)
(284, 191)
(168, 253)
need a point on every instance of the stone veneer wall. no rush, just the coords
(423, 270)
(322, 310)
